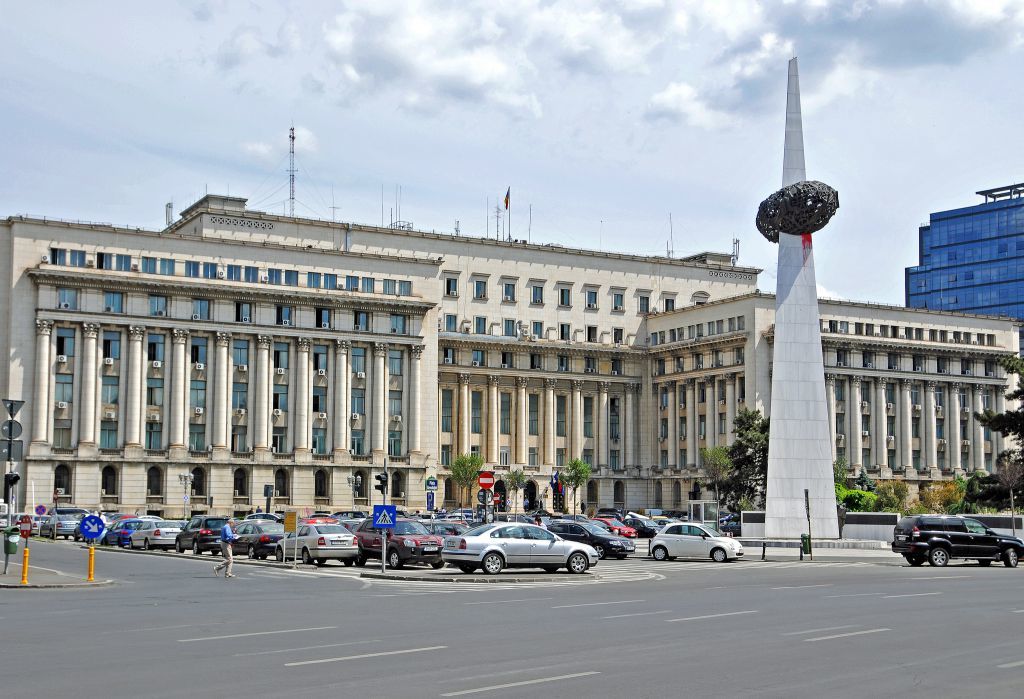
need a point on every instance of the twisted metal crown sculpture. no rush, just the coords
(801, 208)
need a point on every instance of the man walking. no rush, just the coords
(226, 537)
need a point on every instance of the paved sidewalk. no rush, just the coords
(42, 577)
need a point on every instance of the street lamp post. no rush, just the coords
(186, 484)
(355, 482)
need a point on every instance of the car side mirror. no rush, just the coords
(703, 536)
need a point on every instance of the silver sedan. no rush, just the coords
(500, 545)
(155, 534)
(317, 543)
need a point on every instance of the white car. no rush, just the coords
(317, 543)
(689, 540)
(155, 534)
(501, 545)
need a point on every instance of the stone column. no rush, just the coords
(521, 420)
(730, 411)
(87, 402)
(691, 423)
(133, 412)
(881, 411)
(712, 412)
(979, 429)
(906, 425)
(549, 422)
(856, 441)
(930, 460)
(261, 414)
(602, 424)
(302, 390)
(415, 372)
(576, 445)
(953, 430)
(492, 420)
(673, 424)
(41, 409)
(221, 392)
(380, 397)
(998, 439)
(629, 436)
(179, 431)
(464, 410)
(830, 404)
(340, 441)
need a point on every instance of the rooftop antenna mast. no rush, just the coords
(291, 172)
(671, 237)
(735, 251)
(334, 209)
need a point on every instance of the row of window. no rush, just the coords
(563, 293)
(533, 400)
(842, 327)
(716, 359)
(866, 427)
(238, 273)
(537, 361)
(916, 461)
(916, 393)
(701, 392)
(697, 330)
(894, 361)
(511, 327)
(533, 456)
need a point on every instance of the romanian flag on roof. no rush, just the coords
(508, 197)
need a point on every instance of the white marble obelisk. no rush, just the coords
(799, 448)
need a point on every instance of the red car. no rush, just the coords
(408, 542)
(616, 527)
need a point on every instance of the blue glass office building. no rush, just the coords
(972, 259)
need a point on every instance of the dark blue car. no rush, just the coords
(119, 533)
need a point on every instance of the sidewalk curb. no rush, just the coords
(55, 586)
(464, 578)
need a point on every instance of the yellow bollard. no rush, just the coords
(24, 567)
(92, 563)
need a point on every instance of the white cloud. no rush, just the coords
(846, 79)
(305, 140)
(305, 143)
(247, 42)
(825, 293)
(681, 102)
(258, 149)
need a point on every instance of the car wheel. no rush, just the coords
(719, 556)
(660, 553)
(578, 563)
(394, 560)
(306, 558)
(914, 560)
(466, 568)
(251, 551)
(938, 557)
(600, 551)
(349, 562)
(437, 565)
(178, 547)
(279, 555)
(984, 562)
(145, 544)
(195, 548)
(1010, 558)
(493, 563)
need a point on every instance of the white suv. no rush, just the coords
(694, 541)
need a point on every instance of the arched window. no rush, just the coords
(108, 480)
(241, 483)
(62, 480)
(154, 481)
(677, 494)
(280, 483)
(398, 484)
(359, 484)
(619, 491)
(592, 498)
(657, 494)
(198, 482)
(320, 483)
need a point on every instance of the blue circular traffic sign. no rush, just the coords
(91, 527)
(40, 509)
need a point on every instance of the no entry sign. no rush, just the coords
(486, 479)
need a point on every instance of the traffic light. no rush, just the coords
(382, 483)
(10, 480)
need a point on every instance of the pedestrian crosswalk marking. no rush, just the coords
(383, 518)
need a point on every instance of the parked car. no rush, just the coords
(496, 546)
(257, 538)
(645, 528)
(940, 538)
(351, 514)
(154, 534)
(604, 542)
(408, 542)
(507, 517)
(202, 533)
(694, 541)
(319, 519)
(59, 525)
(446, 528)
(617, 527)
(572, 518)
(609, 512)
(119, 533)
(318, 543)
(80, 511)
(266, 516)
(351, 524)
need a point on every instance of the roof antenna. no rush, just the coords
(291, 172)
(334, 209)
(735, 251)
(671, 237)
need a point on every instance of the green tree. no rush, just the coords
(575, 475)
(463, 471)
(514, 481)
(717, 467)
(892, 496)
(1011, 422)
(839, 468)
(749, 456)
(865, 482)
(1011, 476)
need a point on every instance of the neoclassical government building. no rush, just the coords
(237, 349)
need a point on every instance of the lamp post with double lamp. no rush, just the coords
(186, 485)
(355, 482)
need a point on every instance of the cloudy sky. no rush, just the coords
(604, 117)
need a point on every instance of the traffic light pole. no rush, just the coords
(384, 535)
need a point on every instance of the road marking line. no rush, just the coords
(294, 650)
(1018, 611)
(845, 635)
(942, 577)
(713, 616)
(855, 594)
(520, 684)
(800, 587)
(364, 655)
(504, 601)
(1006, 666)
(598, 604)
(824, 628)
(254, 633)
(916, 594)
(623, 616)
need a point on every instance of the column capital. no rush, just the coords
(136, 332)
(956, 386)
(464, 379)
(380, 349)
(830, 379)
(342, 346)
(550, 384)
(522, 381)
(44, 327)
(906, 383)
(223, 339)
(417, 351)
(303, 343)
(855, 380)
(604, 386)
(633, 388)
(691, 383)
(179, 336)
(930, 385)
(264, 341)
(577, 385)
(90, 330)
(493, 380)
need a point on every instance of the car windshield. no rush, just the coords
(711, 529)
(478, 530)
(600, 525)
(68, 518)
(271, 528)
(216, 523)
(329, 529)
(410, 528)
(593, 528)
(615, 523)
(166, 524)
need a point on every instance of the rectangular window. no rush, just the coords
(155, 348)
(358, 442)
(243, 312)
(319, 399)
(446, 409)
(613, 459)
(388, 286)
(313, 280)
(58, 256)
(319, 445)
(538, 329)
(110, 390)
(197, 394)
(279, 440)
(480, 325)
(281, 355)
(157, 305)
(154, 392)
(360, 320)
(505, 412)
(394, 403)
(560, 416)
(358, 360)
(147, 265)
(563, 362)
(240, 352)
(198, 354)
(201, 309)
(404, 288)
(351, 283)
(280, 397)
(479, 289)
(644, 303)
(111, 344)
(591, 299)
(451, 286)
(536, 361)
(234, 273)
(446, 454)
(61, 432)
(369, 285)
(167, 267)
(564, 332)
(564, 296)
(108, 434)
(588, 416)
(285, 315)
(395, 362)
(251, 274)
(508, 292)
(451, 323)
(113, 302)
(537, 294)
(534, 456)
(274, 275)
(533, 409)
(618, 301)
(239, 395)
(330, 281)
(209, 270)
(359, 401)
(509, 327)
(64, 390)
(399, 324)
(67, 299)
(291, 277)
(154, 435)
(479, 358)
(320, 358)
(560, 456)
(76, 258)
(239, 439)
(476, 403)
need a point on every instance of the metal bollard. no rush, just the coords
(92, 563)
(764, 546)
(24, 567)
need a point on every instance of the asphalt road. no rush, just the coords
(850, 628)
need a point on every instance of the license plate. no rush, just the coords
(429, 548)
(449, 545)
(901, 537)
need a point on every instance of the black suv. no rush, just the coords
(938, 538)
(604, 542)
(200, 534)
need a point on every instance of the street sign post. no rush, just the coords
(497, 498)
(12, 450)
(384, 517)
(291, 526)
(481, 496)
(91, 528)
(40, 509)
(431, 484)
(10, 429)
(486, 479)
(430, 501)
(13, 406)
(25, 525)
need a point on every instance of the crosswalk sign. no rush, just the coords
(384, 516)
